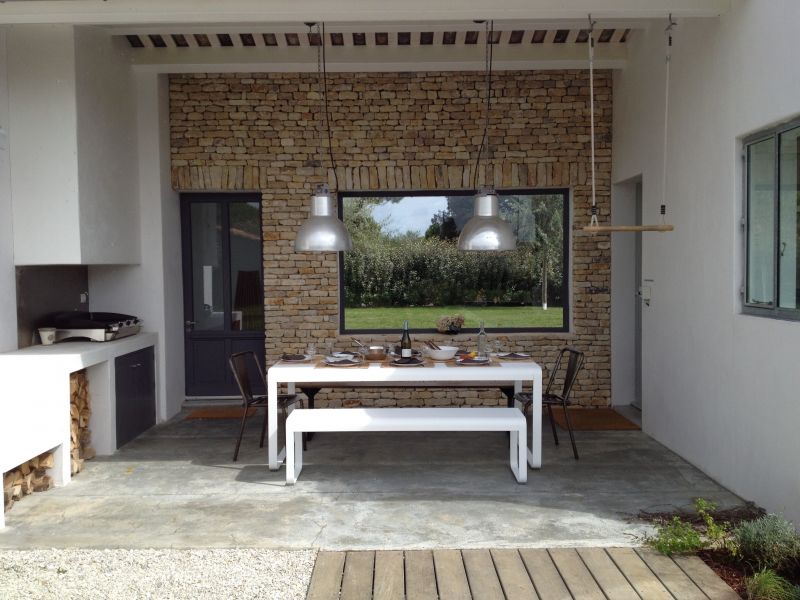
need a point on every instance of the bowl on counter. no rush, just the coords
(443, 353)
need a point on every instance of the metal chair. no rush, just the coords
(241, 364)
(550, 399)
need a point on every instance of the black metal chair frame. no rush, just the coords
(241, 373)
(550, 399)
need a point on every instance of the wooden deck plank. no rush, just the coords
(544, 574)
(610, 579)
(639, 574)
(326, 580)
(420, 575)
(705, 578)
(484, 583)
(451, 578)
(514, 578)
(671, 575)
(389, 580)
(579, 580)
(358, 575)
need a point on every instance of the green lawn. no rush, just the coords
(425, 317)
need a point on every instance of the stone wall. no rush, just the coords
(398, 131)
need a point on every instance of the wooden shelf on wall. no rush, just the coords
(626, 228)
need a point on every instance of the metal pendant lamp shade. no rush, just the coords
(486, 230)
(322, 231)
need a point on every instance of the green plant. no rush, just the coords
(769, 542)
(676, 536)
(718, 534)
(768, 585)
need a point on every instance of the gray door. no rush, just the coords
(222, 287)
(637, 332)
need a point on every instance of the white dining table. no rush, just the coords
(438, 374)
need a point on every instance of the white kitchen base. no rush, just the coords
(34, 407)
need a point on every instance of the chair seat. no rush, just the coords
(284, 400)
(527, 400)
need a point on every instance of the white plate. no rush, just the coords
(473, 362)
(340, 362)
(519, 356)
(397, 364)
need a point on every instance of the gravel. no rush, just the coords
(109, 574)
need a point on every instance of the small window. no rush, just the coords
(405, 263)
(772, 172)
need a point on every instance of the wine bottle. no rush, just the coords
(405, 342)
(482, 350)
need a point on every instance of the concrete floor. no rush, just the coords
(177, 487)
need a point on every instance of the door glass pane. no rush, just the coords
(247, 289)
(761, 222)
(789, 240)
(207, 290)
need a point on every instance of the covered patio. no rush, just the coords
(176, 487)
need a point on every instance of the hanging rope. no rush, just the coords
(668, 33)
(488, 55)
(593, 222)
(594, 226)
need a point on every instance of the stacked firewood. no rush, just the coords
(27, 478)
(80, 412)
(32, 476)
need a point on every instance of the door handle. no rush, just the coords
(189, 325)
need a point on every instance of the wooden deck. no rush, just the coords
(562, 573)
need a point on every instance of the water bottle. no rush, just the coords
(483, 351)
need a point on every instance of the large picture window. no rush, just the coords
(405, 263)
(772, 170)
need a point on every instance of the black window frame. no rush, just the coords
(565, 284)
(773, 310)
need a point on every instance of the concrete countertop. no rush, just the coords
(75, 355)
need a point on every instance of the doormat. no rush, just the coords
(593, 419)
(220, 412)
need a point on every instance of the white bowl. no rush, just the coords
(443, 353)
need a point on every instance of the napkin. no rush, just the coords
(343, 361)
(409, 360)
(514, 355)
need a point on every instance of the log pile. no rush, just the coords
(32, 476)
(80, 412)
(27, 478)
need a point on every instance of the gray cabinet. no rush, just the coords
(136, 394)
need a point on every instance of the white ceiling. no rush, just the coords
(111, 12)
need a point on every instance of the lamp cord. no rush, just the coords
(488, 58)
(593, 221)
(323, 74)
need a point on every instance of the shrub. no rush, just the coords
(768, 585)
(676, 536)
(769, 542)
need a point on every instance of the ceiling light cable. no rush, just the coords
(488, 60)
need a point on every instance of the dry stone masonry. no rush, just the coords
(398, 131)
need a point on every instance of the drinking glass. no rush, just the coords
(498, 347)
(311, 349)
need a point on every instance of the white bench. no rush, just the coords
(302, 420)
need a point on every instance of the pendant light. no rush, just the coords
(323, 231)
(485, 230)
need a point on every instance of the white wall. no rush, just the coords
(42, 136)
(152, 290)
(623, 296)
(8, 297)
(720, 388)
(106, 136)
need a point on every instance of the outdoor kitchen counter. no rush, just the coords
(34, 405)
